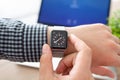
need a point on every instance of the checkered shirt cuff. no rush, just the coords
(21, 42)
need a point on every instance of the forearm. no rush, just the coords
(21, 42)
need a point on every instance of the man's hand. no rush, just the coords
(98, 37)
(78, 68)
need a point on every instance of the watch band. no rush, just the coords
(59, 28)
(58, 52)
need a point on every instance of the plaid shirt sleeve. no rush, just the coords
(21, 42)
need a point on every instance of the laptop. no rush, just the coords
(74, 12)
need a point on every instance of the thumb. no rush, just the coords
(46, 67)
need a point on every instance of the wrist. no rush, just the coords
(70, 48)
(50, 28)
(70, 30)
(57, 38)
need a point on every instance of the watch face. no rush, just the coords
(58, 39)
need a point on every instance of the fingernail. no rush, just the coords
(45, 49)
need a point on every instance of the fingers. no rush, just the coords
(116, 39)
(114, 58)
(46, 67)
(117, 61)
(65, 63)
(117, 50)
(113, 46)
(78, 44)
(100, 70)
(83, 59)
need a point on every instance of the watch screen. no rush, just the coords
(58, 39)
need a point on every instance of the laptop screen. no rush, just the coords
(74, 12)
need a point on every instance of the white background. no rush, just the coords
(25, 10)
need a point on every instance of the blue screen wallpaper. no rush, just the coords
(74, 12)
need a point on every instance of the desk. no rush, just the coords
(12, 71)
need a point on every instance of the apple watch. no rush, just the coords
(58, 41)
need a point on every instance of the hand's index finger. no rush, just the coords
(83, 58)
